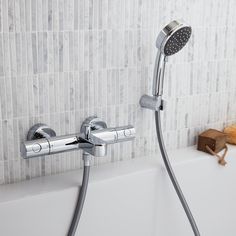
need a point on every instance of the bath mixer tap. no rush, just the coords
(93, 138)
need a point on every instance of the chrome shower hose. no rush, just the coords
(81, 197)
(172, 175)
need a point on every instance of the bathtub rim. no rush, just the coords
(104, 172)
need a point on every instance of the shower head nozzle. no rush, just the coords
(173, 38)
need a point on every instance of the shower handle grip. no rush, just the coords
(158, 75)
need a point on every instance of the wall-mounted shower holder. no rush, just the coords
(155, 103)
(93, 138)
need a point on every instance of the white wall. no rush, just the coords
(61, 61)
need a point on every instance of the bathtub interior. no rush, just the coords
(129, 198)
(210, 190)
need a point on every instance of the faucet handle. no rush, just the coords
(113, 135)
(125, 133)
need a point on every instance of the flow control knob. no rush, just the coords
(114, 135)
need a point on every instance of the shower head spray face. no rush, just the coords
(173, 38)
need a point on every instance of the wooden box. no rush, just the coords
(212, 138)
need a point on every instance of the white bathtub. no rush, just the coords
(132, 198)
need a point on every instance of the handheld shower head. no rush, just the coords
(173, 38)
(170, 40)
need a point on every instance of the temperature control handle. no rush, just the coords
(114, 135)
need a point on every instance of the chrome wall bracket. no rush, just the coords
(155, 103)
(93, 138)
(40, 130)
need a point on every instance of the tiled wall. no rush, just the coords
(61, 61)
